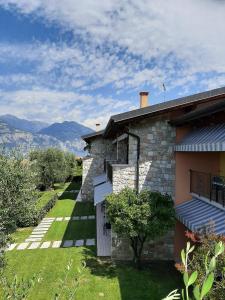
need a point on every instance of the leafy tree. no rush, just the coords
(17, 196)
(71, 164)
(50, 166)
(139, 217)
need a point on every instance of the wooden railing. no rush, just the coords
(208, 186)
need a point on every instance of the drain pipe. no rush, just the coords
(138, 157)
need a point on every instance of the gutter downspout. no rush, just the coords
(138, 157)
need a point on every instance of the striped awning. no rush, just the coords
(210, 138)
(197, 214)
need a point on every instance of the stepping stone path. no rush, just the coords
(34, 245)
(22, 246)
(90, 242)
(79, 243)
(39, 231)
(34, 240)
(45, 245)
(56, 244)
(11, 247)
(51, 244)
(68, 243)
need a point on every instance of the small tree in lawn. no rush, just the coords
(139, 217)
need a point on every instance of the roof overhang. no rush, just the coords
(204, 139)
(88, 137)
(101, 191)
(117, 123)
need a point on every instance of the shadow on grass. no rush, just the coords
(154, 281)
(78, 229)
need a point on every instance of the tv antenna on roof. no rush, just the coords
(164, 91)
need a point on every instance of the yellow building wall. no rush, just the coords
(222, 163)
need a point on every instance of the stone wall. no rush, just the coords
(157, 160)
(160, 249)
(123, 176)
(122, 151)
(156, 172)
(93, 165)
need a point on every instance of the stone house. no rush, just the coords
(139, 149)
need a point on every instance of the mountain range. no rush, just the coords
(25, 135)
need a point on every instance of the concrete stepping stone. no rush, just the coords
(22, 246)
(76, 218)
(43, 227)
(90, 242)
(48, 219)
(45, 245)
(46, 223)
(59, 219)
(83, 217)
(56, 244)
(33, 236)
(39, 231)
(34, 245)
(79, 243)
(67, 218)
(91, 217)
(34, 239)
(11, 247)
(68, 243)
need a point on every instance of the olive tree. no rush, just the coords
(17, 196)
(139, 217)
(50, 166)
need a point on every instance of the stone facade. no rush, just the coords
(156, 172)
(157, 160)
(159, 249)
(123, 176)
(93, 165)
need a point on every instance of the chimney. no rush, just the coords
(97, 126)
(143, 99)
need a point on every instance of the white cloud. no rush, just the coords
(192, 30)
(126, 44)
(56, 106)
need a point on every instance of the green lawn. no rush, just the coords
(101, 279)
(21, 234)
(47, 195)
(66, 207)
(71, 230)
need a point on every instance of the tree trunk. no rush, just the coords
(137, 244)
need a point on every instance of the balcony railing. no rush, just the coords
(208, 186)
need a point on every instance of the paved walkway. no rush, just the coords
(51, 244)
(34, 241)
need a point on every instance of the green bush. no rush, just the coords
(17, 196)
(206, 246)
(199, 282)
(139, 217)
(46, 208)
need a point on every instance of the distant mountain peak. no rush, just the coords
(25, 135)
(66, 131)
(23, 124)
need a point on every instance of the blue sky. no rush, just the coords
(84, 61)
